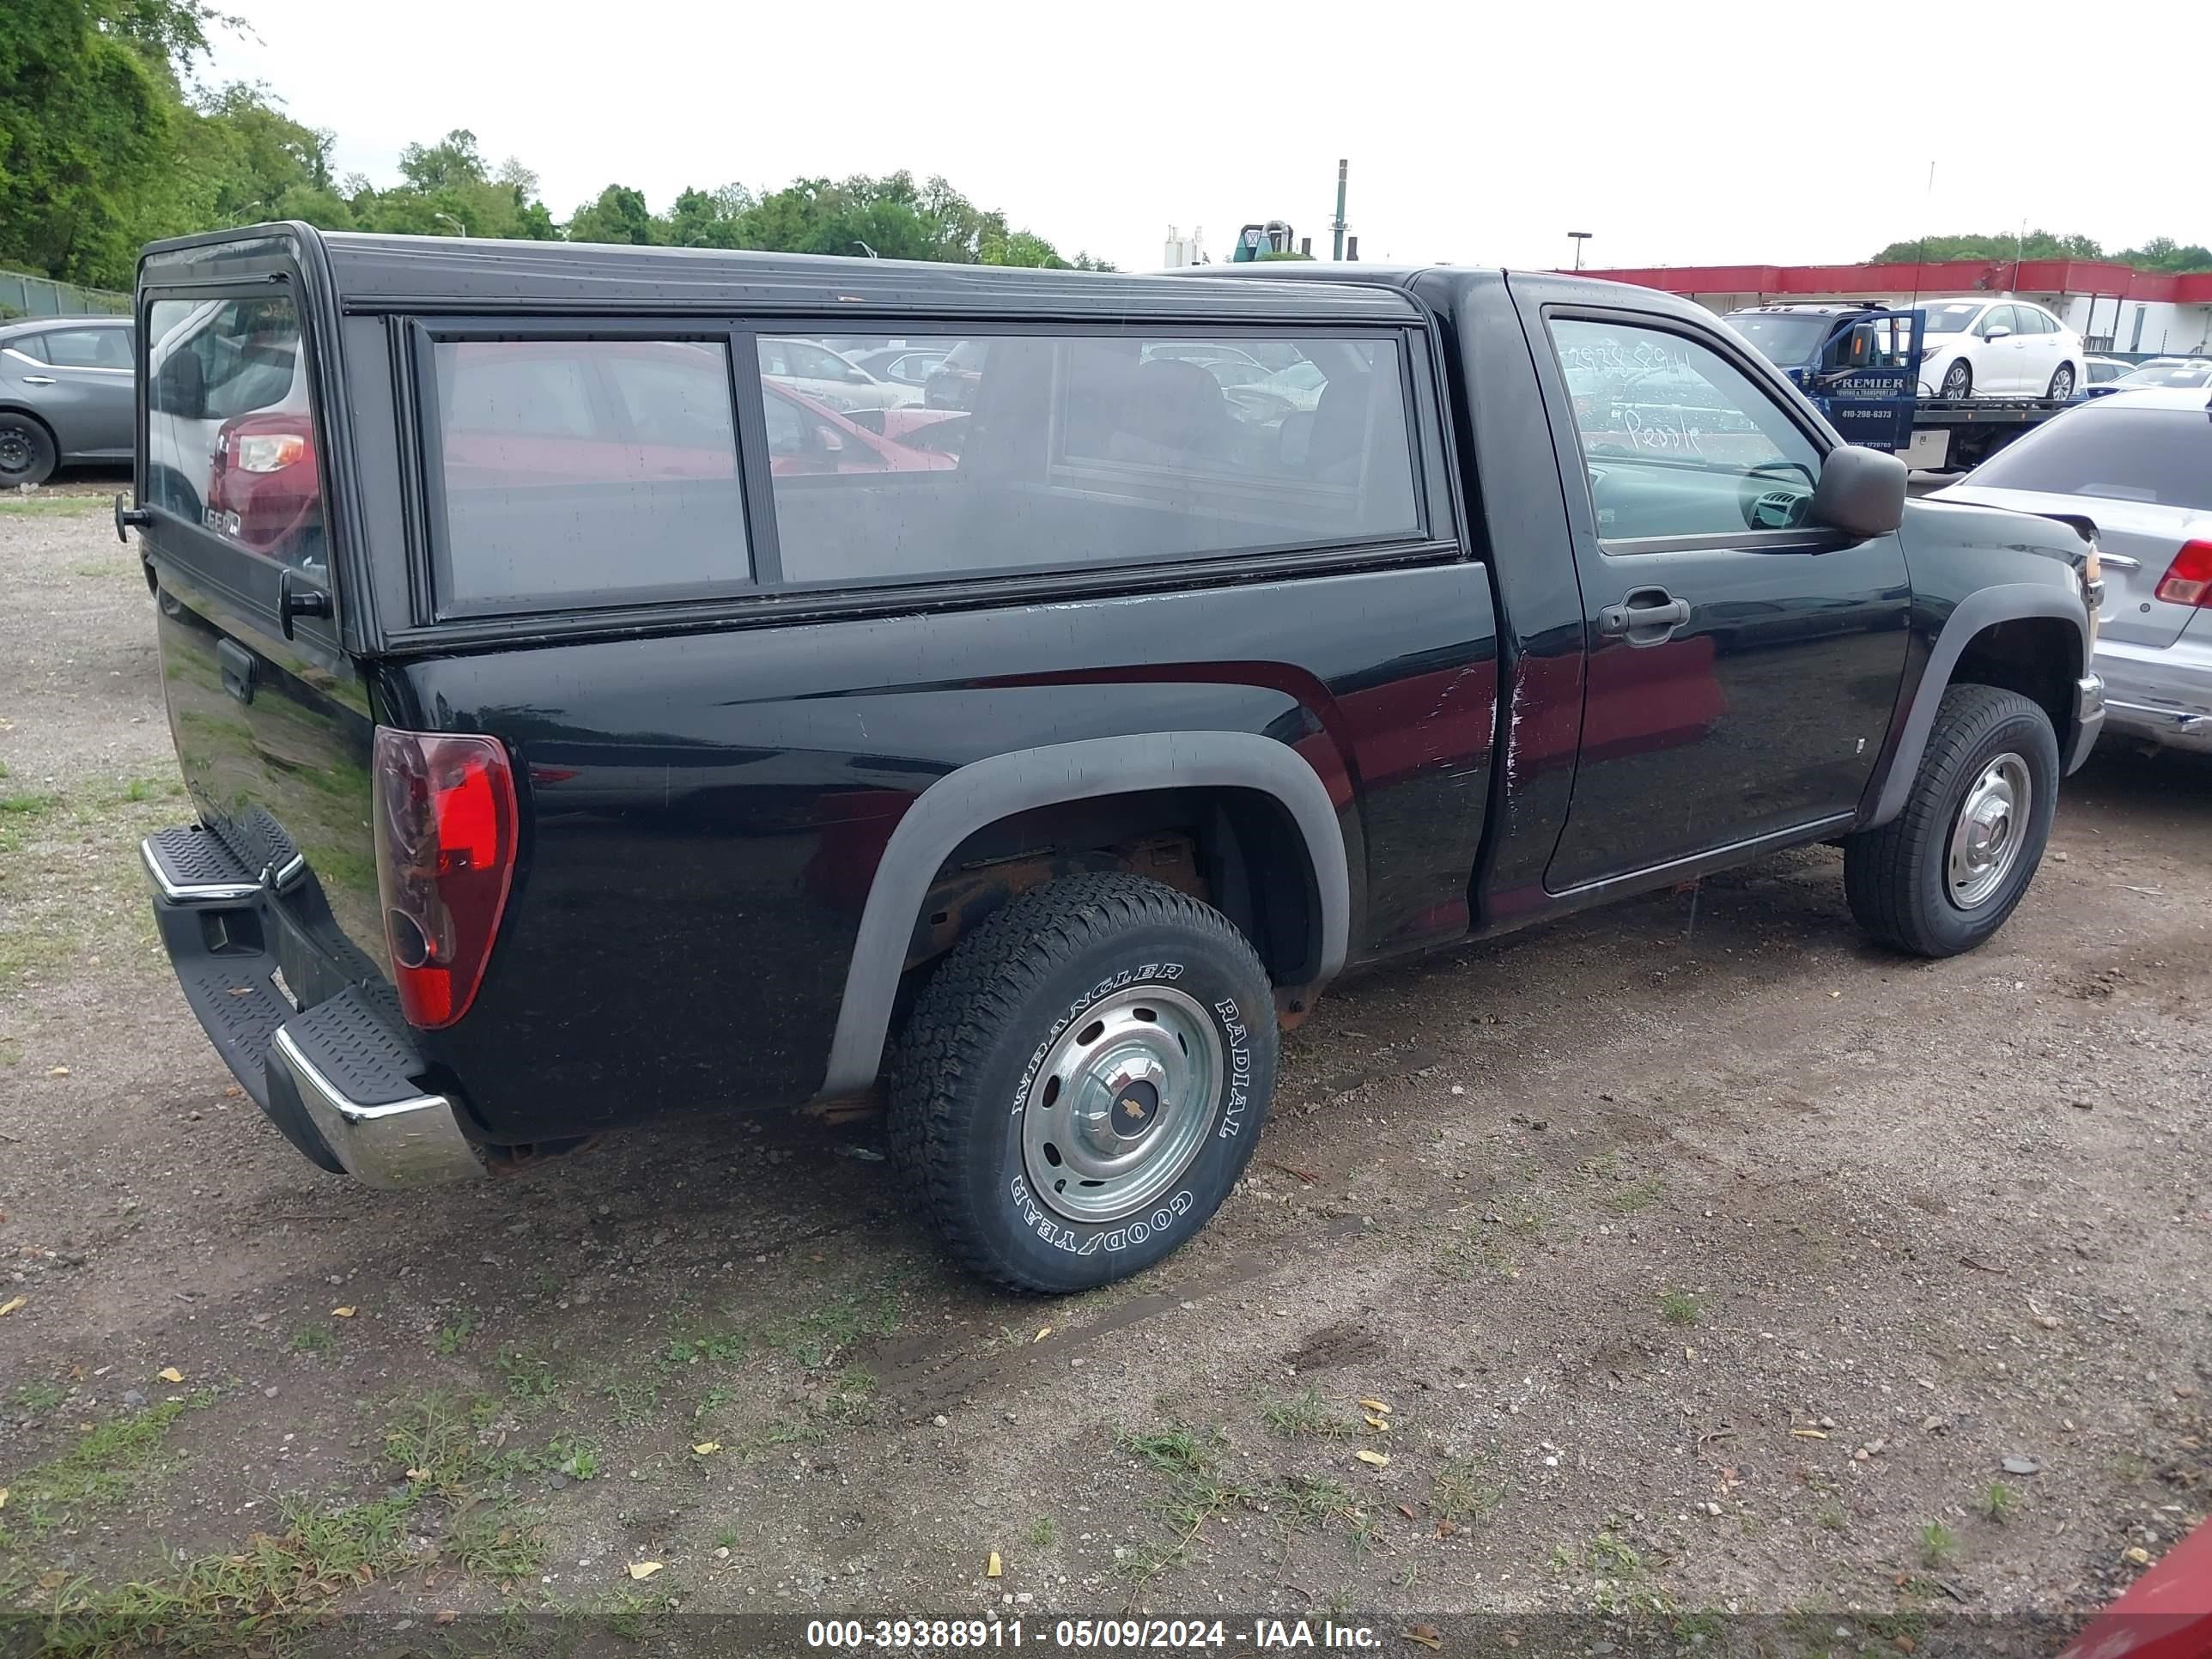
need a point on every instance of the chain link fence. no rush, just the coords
(22, 294)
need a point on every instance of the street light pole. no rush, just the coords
(1578, 237)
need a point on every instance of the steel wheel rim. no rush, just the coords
(1121, 1104)
(14, 450)
(1987, 832)
(1955, 382)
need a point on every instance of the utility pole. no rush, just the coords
(1578, 237)
(1337, 224)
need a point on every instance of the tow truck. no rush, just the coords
(1860, 364)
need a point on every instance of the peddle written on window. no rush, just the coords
(1678, 440)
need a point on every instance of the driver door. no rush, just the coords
(1743, 662)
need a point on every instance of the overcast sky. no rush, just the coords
(1677, 135)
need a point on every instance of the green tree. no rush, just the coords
(2164, 253)
(87, 103)
(618, 215)
(446, 188)
(2004, 246)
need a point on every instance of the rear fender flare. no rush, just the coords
(1983, 608)
(972, 796)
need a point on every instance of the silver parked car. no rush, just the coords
(2138, 464)
(66, 394)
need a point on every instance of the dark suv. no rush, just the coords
(581, 730)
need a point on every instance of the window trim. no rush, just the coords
(1438, 534)
(433, 603)
(1804, 538)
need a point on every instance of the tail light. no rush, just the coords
(267, 443)
(445, 819)
(2188, 580)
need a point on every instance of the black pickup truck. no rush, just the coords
(602, 697)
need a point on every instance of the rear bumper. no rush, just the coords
(334, 1077)
(2089, 707)
(2160, 693)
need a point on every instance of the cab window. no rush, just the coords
(1676, 439)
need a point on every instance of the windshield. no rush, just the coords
(1952, 319)
(2161, 457)
(2167, 375)
(1788, 340)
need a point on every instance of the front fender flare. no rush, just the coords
(1983, 608)
(970, 797)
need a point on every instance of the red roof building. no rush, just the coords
(2117, 307)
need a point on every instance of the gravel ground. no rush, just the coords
(1708, 1260)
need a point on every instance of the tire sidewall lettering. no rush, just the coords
(1032, 1216)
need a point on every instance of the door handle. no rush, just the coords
(238, 669)
(38, 379)
(1646, 617)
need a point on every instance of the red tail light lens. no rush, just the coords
(2188, 580)
(445, 819)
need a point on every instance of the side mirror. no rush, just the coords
(179, 387)
(1861, 491)
(1997, 333)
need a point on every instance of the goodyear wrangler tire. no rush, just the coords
(1083, 1080)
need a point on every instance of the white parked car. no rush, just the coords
(829, 377)
(2138, 465)
(1995, 347)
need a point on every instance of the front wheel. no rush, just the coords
(2061, 383)
(1946, 872)
(1959, 379)
(1083, 1080)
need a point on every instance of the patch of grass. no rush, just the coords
(1939, 1545)
(1197, 1489)
(1458, 1490)
(850, 1398)
(454, 1335)
(1681, 1308)
(432, 1439)
(528, 1377)
(37, 1398)
(1310, 1500)
(1043, 1532)
(29, 805)
(313, 1338)
(1831, 1519)
(577, 1459)
(108, 1464)
(720, 1347)
(1998, 1502)
(495, 1542)
(1613, 1557)
(816, 1335)
(1635, 1195)
(634, 1403)
(726, 1538)
(1306, 1414)
(14, 504)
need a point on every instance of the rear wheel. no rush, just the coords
(26, 450)
(1959, 379)
(1083, 1080)
(1946, 872)
(2061, 383)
